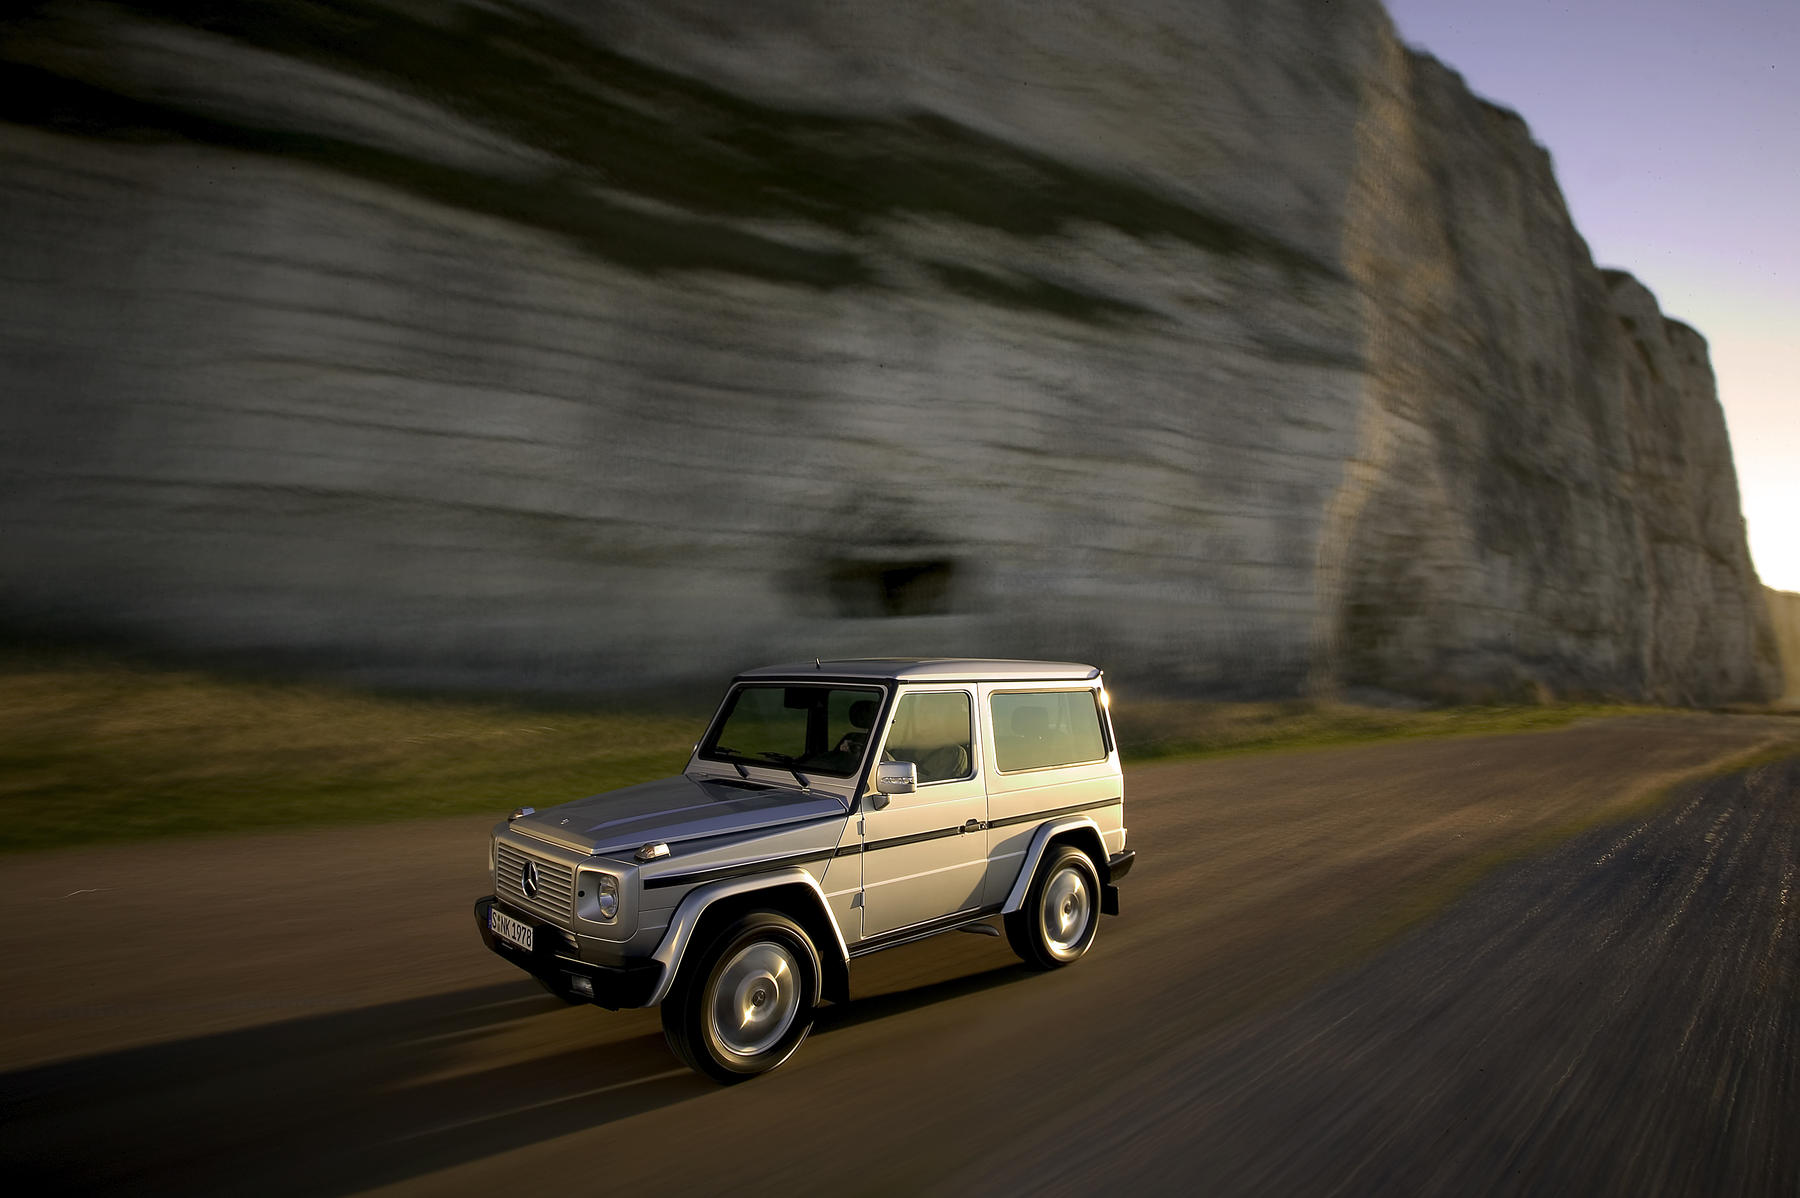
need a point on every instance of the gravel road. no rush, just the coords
(1612, 1013)
(1620, 1016)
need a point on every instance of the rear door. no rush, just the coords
(924, 854)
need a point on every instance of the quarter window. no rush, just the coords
(1036, 730)
(932, 731)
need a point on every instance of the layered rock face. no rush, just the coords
(1784, 616)
(1233, 347)
(1546, 490)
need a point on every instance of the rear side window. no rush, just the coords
(1035, 730)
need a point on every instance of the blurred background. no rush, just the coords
(567, 347)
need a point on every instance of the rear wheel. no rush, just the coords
(1061, 914)
(745, 1003)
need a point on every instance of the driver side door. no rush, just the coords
(925, 854)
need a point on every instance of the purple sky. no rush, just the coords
(1675, 128)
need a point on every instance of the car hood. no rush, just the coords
(671, 810)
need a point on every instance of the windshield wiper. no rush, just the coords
(787, 763)
(732, 756)
(778, 759)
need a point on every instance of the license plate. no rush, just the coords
(513, 931)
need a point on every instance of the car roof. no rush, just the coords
(930, 669)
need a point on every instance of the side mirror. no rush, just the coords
(896, 777)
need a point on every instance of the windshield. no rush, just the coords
(813, 728)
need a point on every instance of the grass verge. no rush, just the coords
(108, 753)
(99, 751)
(1182, 728)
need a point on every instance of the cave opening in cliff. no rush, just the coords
(912, 587)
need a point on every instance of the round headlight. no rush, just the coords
(606, 895)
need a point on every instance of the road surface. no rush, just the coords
(1303, 996)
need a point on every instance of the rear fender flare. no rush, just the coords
(1079, 829)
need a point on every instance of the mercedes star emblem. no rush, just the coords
(528, 879)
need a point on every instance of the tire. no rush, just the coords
(743, 1005)
(1061, 914)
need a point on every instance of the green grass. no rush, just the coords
(95, 751)
(1178, 728)
(106, 752)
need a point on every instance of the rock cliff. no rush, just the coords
(1233, 346)
(1784, 615)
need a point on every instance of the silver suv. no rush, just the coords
(833, 809)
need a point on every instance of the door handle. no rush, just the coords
(973, 825)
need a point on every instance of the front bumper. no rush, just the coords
(614, 986)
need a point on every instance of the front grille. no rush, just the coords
(555, 897)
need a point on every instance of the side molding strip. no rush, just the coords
(716, 873)
(1055, 811)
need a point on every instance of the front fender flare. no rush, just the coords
(687, 918)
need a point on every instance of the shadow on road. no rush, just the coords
(345, 1101)
(881, 1006)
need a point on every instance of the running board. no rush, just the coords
(960, 921)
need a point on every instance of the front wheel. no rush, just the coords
(1061, 912)
(744, 1005)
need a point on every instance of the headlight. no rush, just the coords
(606, 895)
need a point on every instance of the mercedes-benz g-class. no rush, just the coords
(832, 809)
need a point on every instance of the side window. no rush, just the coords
(933, 732)
(1035, 730)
